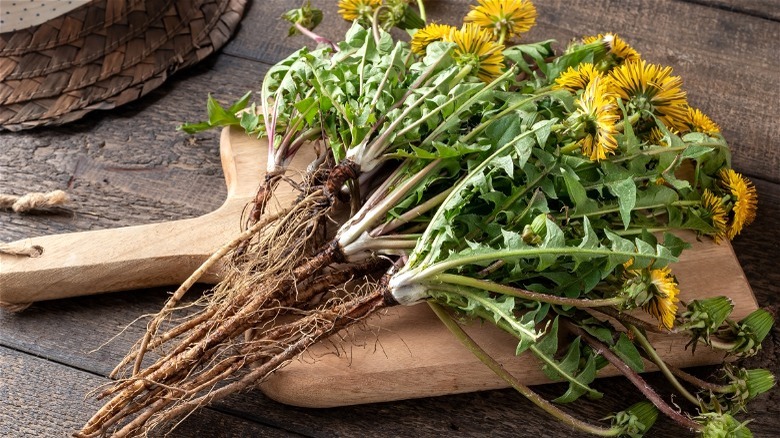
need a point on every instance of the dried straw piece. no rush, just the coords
(33, 201)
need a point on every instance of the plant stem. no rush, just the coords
(371, 153)
(362, 223)
(411, 214)
(635, 378)
(639, 336)
(458, 261)
(571, 147)
(703, 384)
(722, 345)
(491, 286)
(614, 209)
(315, 37)
(385, 245)
(421, 8)
(497, 368)
(626, 318)
(634, 231)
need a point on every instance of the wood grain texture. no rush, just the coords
(767, 9)
(130, 167)
(52, 403)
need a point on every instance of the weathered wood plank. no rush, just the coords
(767, 9)
(42, 398)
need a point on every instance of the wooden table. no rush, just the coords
(129, 166)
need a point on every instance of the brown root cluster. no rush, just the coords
(276, 300)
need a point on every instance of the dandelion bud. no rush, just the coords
(748, 384)
(305, 16)
(635, 420)
(722, 426)
(704, 317)
(744, 337)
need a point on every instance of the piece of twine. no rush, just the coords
(33, 201)
(28, 251)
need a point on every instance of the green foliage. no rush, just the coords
(577, 366)
(219, 116)
(305, 16)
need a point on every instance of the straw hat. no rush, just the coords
(60, 59)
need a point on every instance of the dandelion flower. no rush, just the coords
(652, 88)
(745, 199)
(617, 47)
(597, 115)
(713, 205)
(578, 78)
(503, 17)
(428, 34)
(663, 302)
(361, 10)
(475, 48)
(699, 122)
(658, 137)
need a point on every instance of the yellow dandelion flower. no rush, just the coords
(716, 212)
(699, 122)
(598, 114)
(657, 137)
(652, 88)
(617, 47)
(503, 17)
(578, 78)
(663, 302)
(745, 200)
(362, 10)
(428, 34)
(475, 48)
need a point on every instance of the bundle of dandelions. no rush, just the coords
(530, 189)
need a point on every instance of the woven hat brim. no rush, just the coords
(59, 78)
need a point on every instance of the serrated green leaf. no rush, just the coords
(240, 103)
(579, 386)
(674, 244)
(553, 239)
(625, 191)
(548, 345)
(573, 187)
(627, 351)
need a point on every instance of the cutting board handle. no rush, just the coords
(139, 256)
